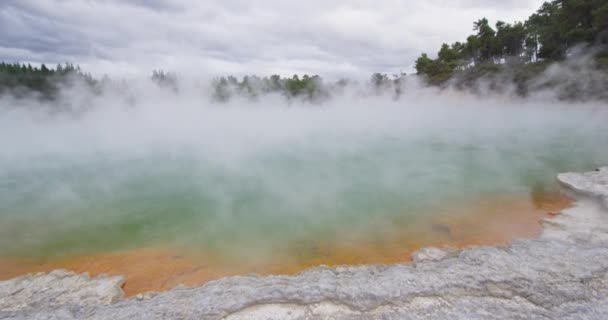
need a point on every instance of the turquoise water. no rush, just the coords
(76, 186)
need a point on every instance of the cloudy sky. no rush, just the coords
(211, 37)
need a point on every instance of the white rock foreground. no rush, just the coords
(561, 275)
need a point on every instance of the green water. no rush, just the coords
(308, 187)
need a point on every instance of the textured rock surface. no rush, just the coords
(561, 275)
(594, 184)
(57, 288)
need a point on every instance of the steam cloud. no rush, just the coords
(138, 164)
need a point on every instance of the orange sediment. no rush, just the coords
(490, 222)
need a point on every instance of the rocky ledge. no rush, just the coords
(561, 275)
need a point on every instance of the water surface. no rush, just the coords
(291, 186)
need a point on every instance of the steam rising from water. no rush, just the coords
(149, 167)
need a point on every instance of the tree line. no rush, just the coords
(22, 79)
(546, 35)
(311, 87)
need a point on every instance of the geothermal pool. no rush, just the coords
(192, 194)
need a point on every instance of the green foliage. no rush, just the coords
(547, 35)
(510, 40)
(450, 58)
(486, 42)
(451, 54)
(20, 79)
(545, 23)
(307, 87)
(422, 64)
(379, 80)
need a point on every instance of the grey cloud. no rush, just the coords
(333, 38)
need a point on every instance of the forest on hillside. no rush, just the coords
(546, 36)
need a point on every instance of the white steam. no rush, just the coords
(138, 164)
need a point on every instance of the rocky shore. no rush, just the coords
(561, 275)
